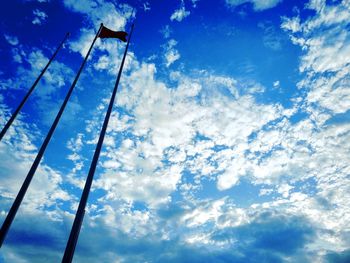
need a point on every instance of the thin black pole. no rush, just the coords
(12, 213)
(9, 122)
(74, 234)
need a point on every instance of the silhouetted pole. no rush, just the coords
(9, 122)
(74, 234)
(12, 213)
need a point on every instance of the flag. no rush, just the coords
(107, 33)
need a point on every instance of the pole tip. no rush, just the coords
(68, 34)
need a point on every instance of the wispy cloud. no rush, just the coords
(39, 17)
(171, 54)
(259, 5)
(12, 40)
(180, 14)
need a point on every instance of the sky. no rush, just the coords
(229, 139)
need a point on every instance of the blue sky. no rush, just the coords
(228, 142)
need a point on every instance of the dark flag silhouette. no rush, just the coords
(107, 33)
(74, 234)
(14, 208)
(15, 113)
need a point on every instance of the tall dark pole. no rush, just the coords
(74, 234)
(9, 122)
(12, 213)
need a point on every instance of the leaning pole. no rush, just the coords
(16, 204)
(15, 113)
(74, 234)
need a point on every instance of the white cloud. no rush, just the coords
(171, 54)
(101, 12)
(83, 44)
(18, 54)
(166, 31)
(57, 76)
(312, 152)
(326, 51)
(292, 24)
(39, 17)
(12, 40)
(180, 13)
(164, 129)
(194, 3)
(231, 175)
(146, 7)
(276, 84)
(259, 5)
(17, 153)
(37, 60)
(113, 17)
(220, 212)
(265, 4)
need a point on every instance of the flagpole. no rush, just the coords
(12, 213)
(9, 122)
(74, 234)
